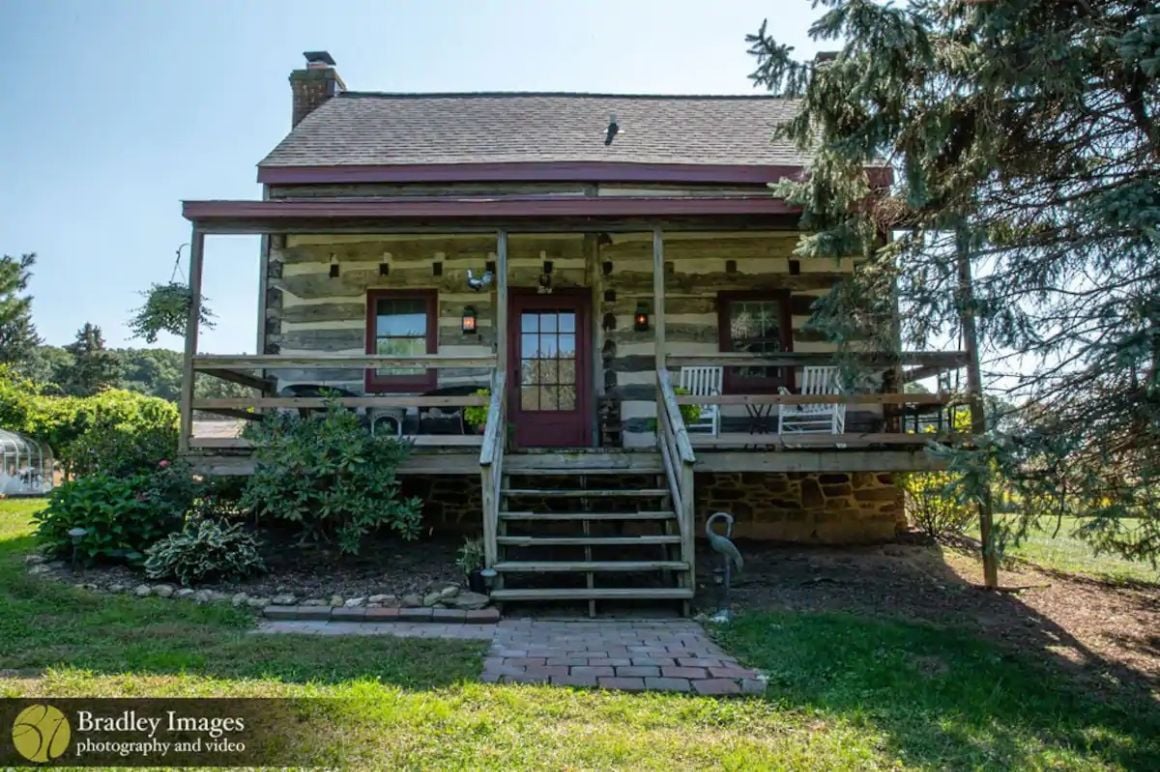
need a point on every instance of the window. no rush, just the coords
(756, 323)
(402, 323)
(548, 360)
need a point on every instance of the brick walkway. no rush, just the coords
(649, 655)
(660, 655)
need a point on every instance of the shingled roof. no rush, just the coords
(375, 129)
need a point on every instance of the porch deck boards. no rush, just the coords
(465, 461)
(584, 566)
(594, 593)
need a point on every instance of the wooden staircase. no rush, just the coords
(594, 526)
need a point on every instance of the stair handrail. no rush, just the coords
(678, 459)
(491, 465)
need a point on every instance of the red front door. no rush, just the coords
(550, 355)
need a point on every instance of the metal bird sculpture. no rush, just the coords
(721, 544)
(477, 283)
(730, 557)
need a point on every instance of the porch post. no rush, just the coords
(501, 302)
(659, 297)
(196, 247)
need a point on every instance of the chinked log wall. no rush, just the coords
(697, 268)
(310, 311)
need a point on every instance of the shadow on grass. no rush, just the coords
(46, 624)
(953, 675)
(941, 697)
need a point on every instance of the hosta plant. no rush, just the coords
(205, 549)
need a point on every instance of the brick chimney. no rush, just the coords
(315, 84)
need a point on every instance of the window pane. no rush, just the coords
(527, 371)
(754, 319)
(401, 317)
(547, 346)
(529, 346)
(567, 398)
(567, 322)
(567, 371)
(547, 398)
(529, 398)
(567, 345)
(548, 322)
(548, 372)
(529, 322)
(755, 328)
(400, 347)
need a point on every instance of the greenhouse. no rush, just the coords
(27, 465)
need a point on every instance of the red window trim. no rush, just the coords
(402, 383)
(731, 382)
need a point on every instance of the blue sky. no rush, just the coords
(112, 112)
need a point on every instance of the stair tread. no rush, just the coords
(586, 541)
(585, 566)
(660, 514)
(594, 593)
(630, 471)
(588, 493)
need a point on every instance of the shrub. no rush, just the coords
(118, 432)
(128, 434)
(329, 478)
(932, 504)
(205, 549)
(121, 515)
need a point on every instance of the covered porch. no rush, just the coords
(601, 298)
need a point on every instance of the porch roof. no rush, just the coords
(240, 216)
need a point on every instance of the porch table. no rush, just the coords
(760, 417)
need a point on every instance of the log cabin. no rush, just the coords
(578, 257)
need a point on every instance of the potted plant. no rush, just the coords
(690, 414)
(475, 416)
(470, 561)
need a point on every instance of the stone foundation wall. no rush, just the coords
(824, 508)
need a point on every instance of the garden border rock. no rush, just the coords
(443, 603)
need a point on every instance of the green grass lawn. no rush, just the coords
(845, 691)
(1059, 549)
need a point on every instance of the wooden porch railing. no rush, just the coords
(678, 459)
(239, 369)
(769, 420)
(913, 365)
(491, 465)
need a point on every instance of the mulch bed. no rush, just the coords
(384, 566)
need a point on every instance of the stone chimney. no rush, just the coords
(314, 85)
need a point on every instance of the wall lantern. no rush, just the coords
(640, 318)
(469, 326)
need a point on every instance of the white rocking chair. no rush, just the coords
(830, 418)
(704, 382)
